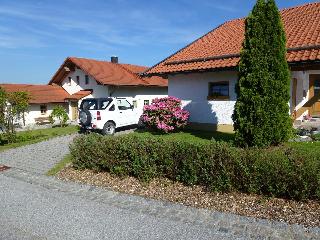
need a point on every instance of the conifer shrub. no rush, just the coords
(261, 115)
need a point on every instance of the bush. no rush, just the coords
(165, 115)
(316, 137)
(59, 113)
(279, 172)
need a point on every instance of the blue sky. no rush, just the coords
(36, 36)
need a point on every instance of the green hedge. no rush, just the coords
(279, 172)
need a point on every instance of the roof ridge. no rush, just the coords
(299, 6)
(90, 59)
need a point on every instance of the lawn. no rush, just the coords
(60, 165)
(194, 136)
(306, 147)
(34, 136)
(190, 135)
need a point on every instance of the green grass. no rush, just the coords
(60, 165)
(305, 147)
(191, 135)
(34, 136)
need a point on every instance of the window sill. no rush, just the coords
(218, 98)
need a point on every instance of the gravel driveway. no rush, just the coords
(34, 206)
(39, 157)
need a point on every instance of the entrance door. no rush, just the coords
(74, 111)
(315, 95)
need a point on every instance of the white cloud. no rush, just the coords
(104, 29)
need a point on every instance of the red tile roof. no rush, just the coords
(221, 47)
(79, 95)
(39, 93)
(108, 73)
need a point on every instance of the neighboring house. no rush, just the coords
(80, 78)
(204, 73)
(84, 78)
(43, 99)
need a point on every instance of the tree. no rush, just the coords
(19, 102)
(261, 115)
(12, 106)
(60, 114)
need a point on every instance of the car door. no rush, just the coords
(126, 113)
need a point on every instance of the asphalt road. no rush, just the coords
(31, 211)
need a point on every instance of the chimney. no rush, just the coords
(114, 59)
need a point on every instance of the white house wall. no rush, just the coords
(98, 90)
(34, 112)
(139, 94)
(193, 90)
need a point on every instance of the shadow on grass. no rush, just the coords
(210, 135)
(190, 135)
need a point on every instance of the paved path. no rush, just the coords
(34, 206)
(39, 157)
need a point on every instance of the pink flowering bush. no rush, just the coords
(165, 115)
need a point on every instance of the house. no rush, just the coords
(79, 78)
(43, 99)
(84, 78)
(204, 73)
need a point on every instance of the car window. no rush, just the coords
(104, 104)
(89, 105)
(123, 104)
(112, 108)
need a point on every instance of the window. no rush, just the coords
(218, 90)
(146, 102)
(69, 81)
(317, 87)
(105, 103)
(112, 108)
(78, 80)
(87, 79)
(43, 109)
(134, 103)
(89, 104)
(123, 104)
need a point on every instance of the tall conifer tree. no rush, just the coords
(261, 115)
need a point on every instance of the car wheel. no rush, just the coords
(85, 117)
(141, 124)
(109, 129)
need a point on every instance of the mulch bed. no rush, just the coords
(293, 212)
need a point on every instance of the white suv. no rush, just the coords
(107, 114)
